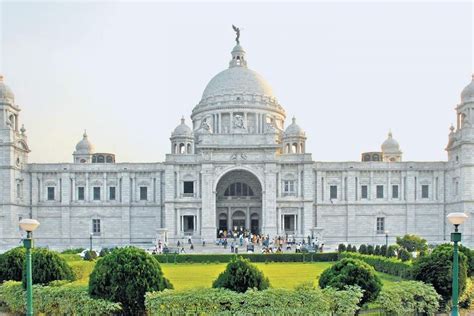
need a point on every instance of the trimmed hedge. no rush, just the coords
(55, 300)
(383, 264)
(224, 258)
(302, 301)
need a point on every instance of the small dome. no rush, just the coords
(294, 130)
(84, 146)
(467, 94)
(390, 145)
(6, 94)
(182, 130)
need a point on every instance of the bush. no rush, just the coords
(124, 276)
(383, 264)
(54, 300)
(363, 249)
(48, 266)
(350, 271)
(412, 243)
(354, 248)
(303, 300)
(383, 250)
(436, 269)
(392, 251)
(470, 259)
(377, 250)
(90, 255)
(104, 251)
(341, 248)
(240, 275)
(370, 250)
(409, 298)
(467, 298)
(72, 251)
(404, 255)
(224, 258)
(11, 264)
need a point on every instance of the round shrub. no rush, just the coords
(124, 276)
(11, 264)
(48, 266)
(341, 248)
(90, 255)
(363, 249)
(354, 248)
(349, 248)
(370, 250)
(377, 250)
(470, 259)
(240, 275)
(392, 251)
(348, 272)
(404, 255)
(436, 269)
(383, 250)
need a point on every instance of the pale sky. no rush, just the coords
(128, 71)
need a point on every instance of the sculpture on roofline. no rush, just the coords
(237, 33)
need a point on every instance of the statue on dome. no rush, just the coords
(237, 33)
(239, 122)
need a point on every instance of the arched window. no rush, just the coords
(294, 148)
(94, 159)
(188, 150)
(302, 148)
(375, 157)
(100, 159)
(109, 159)
(182, 148)
(367, 157)
(238, 189)
(175, 148)
(287, 148)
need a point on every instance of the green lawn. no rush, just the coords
(194, 275)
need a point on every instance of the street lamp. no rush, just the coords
(456, 219)
(90, 239)
(386, 239)
(29, 225)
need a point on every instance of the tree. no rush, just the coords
(124, 276)
(370, 249)
(383, 250)
(436, 269)
(90, 255)
(240, 275)
(363, 249)
(404, 255)
(412, 243)
(350, 271)
(377, 250)
(392, 251)
(341, 248)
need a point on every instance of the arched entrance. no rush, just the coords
(238, 203)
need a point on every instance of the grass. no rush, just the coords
(195, 275)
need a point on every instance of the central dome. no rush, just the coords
(237, 80)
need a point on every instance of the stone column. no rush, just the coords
(229, 221)
(247, 218)
(269, 200)
(208, 203)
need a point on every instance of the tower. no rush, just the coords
(391, 149)
(84, 150)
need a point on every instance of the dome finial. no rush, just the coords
(237, 34)
(183, 120)
(390, 133)
(85, 134)
(293, 120)
(451, 128)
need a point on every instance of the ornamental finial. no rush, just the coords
(237, 33)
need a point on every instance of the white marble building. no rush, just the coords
(236, 166)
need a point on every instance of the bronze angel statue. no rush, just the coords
(237, 33)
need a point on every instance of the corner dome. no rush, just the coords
(390, 145)
(182, 130)
(294, 130)
(467, 94)
(6, 94)
(84, 146)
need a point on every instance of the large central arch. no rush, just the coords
(238, 203)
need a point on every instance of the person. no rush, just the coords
(203, 243)
(232, 247)
(189, 240)
(182, 250)
(178, 244)
(191, 247)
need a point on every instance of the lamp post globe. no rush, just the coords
(90, 239)
(456, 218)
(29, 225)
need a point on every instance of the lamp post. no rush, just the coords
(90, 245)
(386, 238)
(29, 225)
(456, 219)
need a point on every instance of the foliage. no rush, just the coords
(105, 251)
(383, 250)
(124, 276)
(90, 255)
(349, 248)
(370, 250)
(392, 251)
(354, 248)
(349, 271)
(304, 300)
(404, 255)
(275, 257)
(409, 298)
(55, 300)
(72, 251)
(383, 264)
(436, 269)
(467, 297)
(341, 248)
(377, 250)
(240, 275)
(470, 259)
(363, 249)
(11, 264)
(412, 243)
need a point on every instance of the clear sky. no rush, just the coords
(128, 71)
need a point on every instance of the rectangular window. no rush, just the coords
(425, 191)
(380, 192)
(96, 194)
(395, 191)
(289, 223)
(380, 225)
(333, 192)
(188, 187)
(50, 193)
(96, 227)
(364, 192)
(18, 190)
(112, 193)
(80, 193)
(143, 193)
(289, 187)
